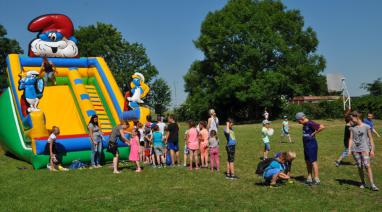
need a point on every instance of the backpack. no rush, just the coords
(168, 159)
(262, 165)
(76, 164)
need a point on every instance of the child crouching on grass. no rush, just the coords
(54, 159)
(279, 168)
(361, 146)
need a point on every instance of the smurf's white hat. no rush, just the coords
(138, 75)
(33, 72)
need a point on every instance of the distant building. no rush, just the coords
(313, 99)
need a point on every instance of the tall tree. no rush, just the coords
(7, 46)
(374, 88)
(255, 52)
(159, 96)
(123, 58)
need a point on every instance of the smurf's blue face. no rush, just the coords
(51, 36)
(137, 81)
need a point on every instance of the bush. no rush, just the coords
(368, 103)
(322, 110)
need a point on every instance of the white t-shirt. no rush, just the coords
(161, 126)
(214, 124)
(265, 134)
(52, 138)
(266, 115)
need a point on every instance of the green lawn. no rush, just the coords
(178, 189)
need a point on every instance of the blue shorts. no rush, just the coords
(268, 174)
(267, 147)
(173, 146)
(310, 150)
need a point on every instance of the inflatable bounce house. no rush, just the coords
(30, 107)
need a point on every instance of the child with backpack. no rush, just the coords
(54, 159)
(344, 154)
(266, 133)
(361, 146)
(275, 169)
(134, 148)
(193, 143)
(309, 131)
(213, 143)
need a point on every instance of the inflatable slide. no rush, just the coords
(83, 87)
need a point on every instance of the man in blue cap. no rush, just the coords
(309, 131)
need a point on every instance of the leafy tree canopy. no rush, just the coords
(7, 46)
(374, 88)
(122, 57)
(159, 96)
(255, 52)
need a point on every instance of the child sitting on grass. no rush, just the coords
(346, 140)
(266, 132)
(360, 139)
(279, 167)
(309, 131)
(54, 159)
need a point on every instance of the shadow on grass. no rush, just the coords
(346, 163)
(300, 179)
(347, 182)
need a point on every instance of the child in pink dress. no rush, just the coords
(203, 138)
(193, 143)
(134, 149)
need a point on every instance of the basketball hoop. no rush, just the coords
(336, 83)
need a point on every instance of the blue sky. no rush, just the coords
(349, 31)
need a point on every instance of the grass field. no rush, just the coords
(177, 189)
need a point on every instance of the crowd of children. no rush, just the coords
(157, 144)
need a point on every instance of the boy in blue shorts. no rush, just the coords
(309, 131)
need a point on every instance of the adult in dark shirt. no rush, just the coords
(172, 139)
(117, 134)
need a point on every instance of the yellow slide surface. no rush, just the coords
(60, 110)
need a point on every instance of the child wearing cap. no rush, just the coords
(309, 131)
(285, 130)
(266, 132)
